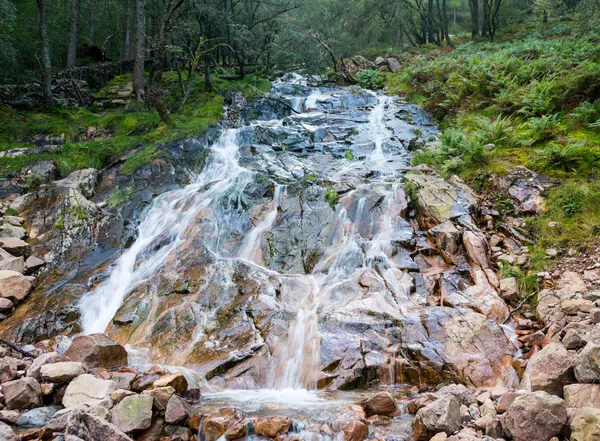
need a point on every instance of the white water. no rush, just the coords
(166, 220)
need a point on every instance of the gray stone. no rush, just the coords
(83, 180)
(16, 247)
(587, 365)
(38, 417)
(133, 413)
(7, 434)
(24, 393)
(509, 288)
(87, 390)
(61, 372)
(443, 415)
(537, 416)
(14, 286)
(36, 366)
(551, 369)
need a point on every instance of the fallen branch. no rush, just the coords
(16, 348)
(518, 308)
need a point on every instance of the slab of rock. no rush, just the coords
(83, 180)
(585, 425)
(380, 404)
(36, 366)
(133, 413)
(177, 381)
(477, 248)
(14, 286)
(161, 396)
(582, 395)
(87, 390)
(575, 306)
(6, 305)
(537, 416)
(32, 264)
(24, 393)
(14, 246)
(8, 230)
(548, 308)
(551, 369)
(587, 365)
(7, 434)
(443, 415)
(178, 410)
(123, 379)
(16, 264)
(37, 417)
(9, 416)
(272, 426)
(446, 237)
(61, 372)
(217, 423)
(88, 427)
(96, 351)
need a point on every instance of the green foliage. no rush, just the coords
(370, 79)
(331, 197)
(542, 128)
(117, 197)
(497, 131)
(586, 113)
(135, 161)
(33, 181)
(348, 155)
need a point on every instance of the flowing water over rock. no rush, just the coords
(293, 262)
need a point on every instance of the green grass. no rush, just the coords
(135, 161)
(117, 130)
(533, 99)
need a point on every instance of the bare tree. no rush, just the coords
(474, 8)
(46, 63)
(73, 34)
(126, 31)
(140, 37)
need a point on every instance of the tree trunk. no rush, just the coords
(445, 22)
(474, 8)
(126, 31)
(485, 24)
(207, 82)
(73, 34)
(92, 23)
(140, 36)
(46, 63)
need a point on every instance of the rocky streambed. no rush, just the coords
(293, 269)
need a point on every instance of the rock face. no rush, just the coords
(587, 366)
(87, 390)
(551, 369)
(443, 415)
(537, 416)
(83, 180)
(97, 351)
(133, 413)
(586, 425)
(25, 393)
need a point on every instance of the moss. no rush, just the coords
(135, 161)
(117, 197)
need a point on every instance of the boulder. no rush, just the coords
(36, 367)
(14, 286)
(585, 425)
(161, 396)
(548, 308)
(272, 426)
(443, 415)
(87, 390)
(88, 427)
(177, 381)
(8, 230)
(16, 247)
(509, 288)
(6, 305)
(217, 423)
(356, 431)
(394, 65)
(381, 404)
(83, 180)
(587, 365)
(61, 372)
(537, 416)
(446, 237)
(477, 248)
(24, 393)
(96, 351)
(8, 369)
(582, 395)
(38, 417)
(551, 369)
(458, 391)
(133, 413)
(380, 61)
(11, 263)
(123, 379)
(178, 410)
(32, 264)
(6, 433)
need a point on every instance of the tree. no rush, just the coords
(140, 50)
(73, 34)
(46, 63)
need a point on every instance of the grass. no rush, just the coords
(117, 131)
(532, 99)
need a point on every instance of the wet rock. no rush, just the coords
(178, 410)
(24, 393)
(380, 404)
(587, 365)
(96, 351)
(83, 180)
(88, 427)
(133, 413)
(177, 381)
(585, 425)
(551, 369)
(216, 424)
(16, 247)
(446, 237)
(356, 431)
(537, 416)
(236, 431)
(38, 417)
(61, 372)
(87, 390)
(36, 367)
(272, 426)
(9, 367)
(443, 415)
(6, 433)
(14, 286)
(582, 395)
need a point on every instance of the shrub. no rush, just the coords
(542, 128)
(370, 79)
(497, 132)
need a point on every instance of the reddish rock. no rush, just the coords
(505, 400)
(178, 410)
(443, 415)
(25, 393)
(161, 396)
(216, 424)
(8, 369)
(177, 381)
(237, 431)
(356, 431)
(537, 416)
(551, 369)
(380, 404)
(272, 426)
(96, 351)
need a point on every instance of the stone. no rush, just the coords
(14, 246)
(380, 404)
(123, 379)
(551, 252)
(118, 395)
(177, 381)
(443, 415)
(8, 230)
(585, 425)
(14, 286)
(87, 390)
(575, 306)
(537, 416)
(9, 367)
(477, 248)
(33, 263)
(88, 427)
(394, 65)
(36, 367)
(38, 417)
(509, 288)
(506, 400)
(83, 180)
(548, 308)
(9, 416)
(582, 395)
(446, 237)
(272, 426)
(458, 391)
(47, 389)
(439, 437)
(62, 372)
(551, 369)
(236, 431)
(6, 305)
(216, 424)
(380, 61)
(178, 433)
(154, 432)
(161, 396)
(575, 339)
(133, 413)
(96, 351)
(587, 365)
(356, 431)
(24, 393)
(11, 263)
(144, 382)
(7, 434)
(178, 410)
(595, 315)
(493, 428)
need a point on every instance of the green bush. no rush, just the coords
(370, 79)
